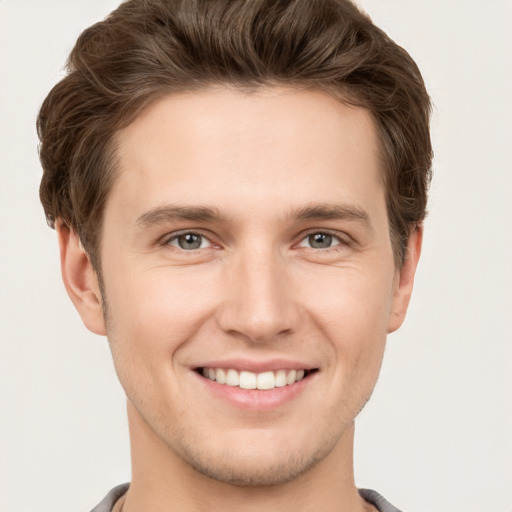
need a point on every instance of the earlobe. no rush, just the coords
(405, 280)
(80, 279)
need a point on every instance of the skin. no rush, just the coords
(255, 290)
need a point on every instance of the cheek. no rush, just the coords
(353, 310)
(354, 301)
(156, 309)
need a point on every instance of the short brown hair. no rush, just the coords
(146, 49)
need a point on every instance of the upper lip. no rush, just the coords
(257, 366)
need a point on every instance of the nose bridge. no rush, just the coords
(259, 305)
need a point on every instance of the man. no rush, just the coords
(238, 189)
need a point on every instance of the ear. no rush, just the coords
(80, 279)
(404, 280)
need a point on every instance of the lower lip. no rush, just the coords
(257, 399)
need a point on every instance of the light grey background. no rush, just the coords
(437, 435)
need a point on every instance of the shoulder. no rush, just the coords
(110, 499)
(375, 499)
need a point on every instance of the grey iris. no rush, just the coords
(190, 241)
(320, 240)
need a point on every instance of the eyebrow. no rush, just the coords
(333, 212)
(313, 212)
(169, 213)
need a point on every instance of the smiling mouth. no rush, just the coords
(249, 380)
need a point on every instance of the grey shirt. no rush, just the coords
(370, 496)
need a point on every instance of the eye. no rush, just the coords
(189, 241)
(320, 241)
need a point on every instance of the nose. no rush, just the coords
(258, 303)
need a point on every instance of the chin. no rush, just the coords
(245, 471)
(256, 460)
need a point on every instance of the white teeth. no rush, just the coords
(220, 376)
(290, 378)
(280, 378)
(266, 380)
(232, 378)
(250, 380)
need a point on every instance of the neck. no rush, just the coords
(163, 482)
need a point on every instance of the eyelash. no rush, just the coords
(166, 241)
(342, 242)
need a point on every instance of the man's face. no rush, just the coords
(246, 237)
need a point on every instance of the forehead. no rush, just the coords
(221, 144)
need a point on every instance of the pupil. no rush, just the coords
(320, 240)
(189, 241)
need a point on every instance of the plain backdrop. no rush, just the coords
(437, 435)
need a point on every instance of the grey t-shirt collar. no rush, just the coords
(370, 496)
